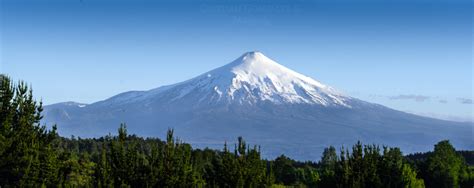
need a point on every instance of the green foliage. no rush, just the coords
(285, 171)
(366, 166)
(444, 166)
(32, 156)
(409, 178)
(329, 162)
(26, 154)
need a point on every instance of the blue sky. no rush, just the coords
(412, 55)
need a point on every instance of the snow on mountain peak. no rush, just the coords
(256, 64)
(248, 80)
(253, 78)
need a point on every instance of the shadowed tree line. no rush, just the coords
(33, 156)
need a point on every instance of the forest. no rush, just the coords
(33, 156)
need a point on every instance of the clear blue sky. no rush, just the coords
(411, 55)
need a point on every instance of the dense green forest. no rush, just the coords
(33, 156)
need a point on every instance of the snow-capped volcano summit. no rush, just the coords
(266, 103)
(254, 78)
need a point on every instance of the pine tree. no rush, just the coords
(357, 166)
(329, 162)
(119, 164)
(26, 158)
(102, 171)
(371, 164)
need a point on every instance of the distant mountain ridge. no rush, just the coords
(270, 105)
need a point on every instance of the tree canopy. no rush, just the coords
(33, 156)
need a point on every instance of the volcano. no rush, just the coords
(268, 104)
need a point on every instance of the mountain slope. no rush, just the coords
(267, 103)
